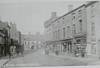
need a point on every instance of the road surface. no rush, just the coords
(38, 58)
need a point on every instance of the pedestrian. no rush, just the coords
(83, 53)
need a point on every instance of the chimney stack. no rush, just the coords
(53, 15)
(70, 7)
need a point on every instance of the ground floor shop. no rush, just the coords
(75, 46)
(80, 46)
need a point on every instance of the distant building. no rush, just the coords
(14, 33)
(32, 41)
(28, 42)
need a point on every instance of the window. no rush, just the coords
(79, 10)
(78, 41)
(58, 33)
(74, 29)
(80, 25)
(92, 11)
(63, 20)
(73, 14)
(25, 42)
(93, 28)
(73, 18)
(68, 30)
(63, 32)
(80, 20)
(28, 42)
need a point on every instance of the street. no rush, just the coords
(40, 59)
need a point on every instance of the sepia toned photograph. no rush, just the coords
(49, 33)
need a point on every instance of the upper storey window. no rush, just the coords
(80, 24)
(79, 13)
(79, 10)
(74, 29)
(73, 14)
(93, 28)
(92, 10)
(64, 33)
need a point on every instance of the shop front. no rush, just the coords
(67, 45)
(80, 46)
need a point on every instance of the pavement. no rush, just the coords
(3, 61)
(90, 60)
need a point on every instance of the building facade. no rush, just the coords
(49, 28)
(32, 41)
(4, 38)
(14, 33)
(77, 30)
(93, 32)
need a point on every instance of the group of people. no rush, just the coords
(79, 52)
(15, 50)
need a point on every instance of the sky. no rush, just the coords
(30, 15)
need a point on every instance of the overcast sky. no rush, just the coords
(29, 15)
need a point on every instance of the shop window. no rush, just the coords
(93, 49)
(78, 41)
